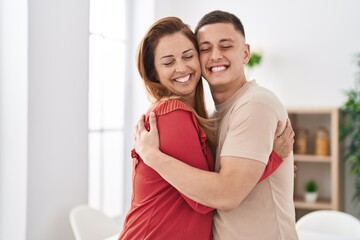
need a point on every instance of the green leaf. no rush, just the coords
(350, 129)
(255, 59)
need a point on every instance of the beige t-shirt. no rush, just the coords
(247, 127)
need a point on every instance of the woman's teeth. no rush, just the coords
(183, 79)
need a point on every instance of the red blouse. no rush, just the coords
(158, 210)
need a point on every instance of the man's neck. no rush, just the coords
(222, 93)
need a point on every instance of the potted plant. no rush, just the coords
(255, 60)
(311, 191)
(350, 130)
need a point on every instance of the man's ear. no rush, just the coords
(246, 53)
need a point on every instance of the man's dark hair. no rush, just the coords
(218, 16)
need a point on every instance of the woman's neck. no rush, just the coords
(190, 101)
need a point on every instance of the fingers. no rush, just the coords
(287, 132)
(288, 129)
(278, 130)
(152, 121)
(141, 123)
(290, 133)
(139, 126)
(288, 125)
(284, 142)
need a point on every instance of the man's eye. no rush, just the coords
(204, 49)
(188, 57)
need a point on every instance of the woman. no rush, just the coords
(169, 66)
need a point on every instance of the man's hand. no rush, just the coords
(146, 142)
(284, 142)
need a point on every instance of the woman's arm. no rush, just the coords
(236, 175)
(180, 139)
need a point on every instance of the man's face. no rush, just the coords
(223, 53)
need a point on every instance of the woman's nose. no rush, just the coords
(180, 67)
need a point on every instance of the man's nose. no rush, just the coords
(216, 54)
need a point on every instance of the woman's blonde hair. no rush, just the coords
(146, 67)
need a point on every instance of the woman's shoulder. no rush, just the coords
(170, 105)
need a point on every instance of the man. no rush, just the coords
(248, 117)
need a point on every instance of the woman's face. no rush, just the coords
(177, 65)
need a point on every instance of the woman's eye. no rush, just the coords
(204, 49)
(188, 57)
(167, 63)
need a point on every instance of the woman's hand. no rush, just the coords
(284, 142)
(146, 142)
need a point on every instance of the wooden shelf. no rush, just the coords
(323, 204)
(311, 110)
(322, 169)
(312, 158)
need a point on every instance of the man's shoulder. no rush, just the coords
(259, 100)
(258, 94)
(254, 94)
(259, 91)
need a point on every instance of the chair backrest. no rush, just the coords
(91, 224)
(330, 221)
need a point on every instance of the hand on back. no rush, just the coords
(284, 141)
(146, 142)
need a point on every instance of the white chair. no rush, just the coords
(330, 222)
(91, 224)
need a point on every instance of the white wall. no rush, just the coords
(43, 110)
(308, 45)
(58, 106)
(308, 48)
(13, 121)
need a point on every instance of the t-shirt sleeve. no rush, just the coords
(273, 163)
(251, 132)
(179, 138)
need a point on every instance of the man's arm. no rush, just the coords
(282, 147)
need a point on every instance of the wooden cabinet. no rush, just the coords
(320, 165)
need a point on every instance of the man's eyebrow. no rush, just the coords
(221, 41)
(227, 40)
(203, 42)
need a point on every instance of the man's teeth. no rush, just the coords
(218, 69)
(183, 79)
